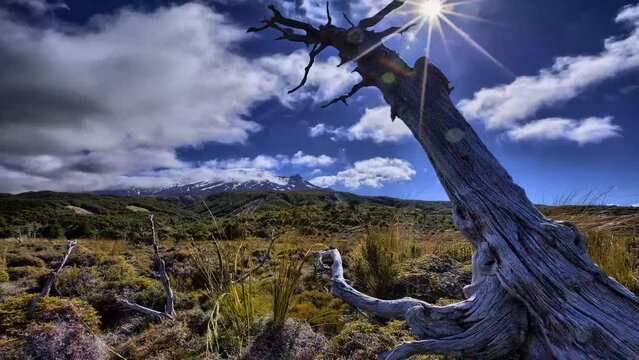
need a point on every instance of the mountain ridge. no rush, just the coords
(212, 187)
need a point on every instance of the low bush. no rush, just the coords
(14, 318)
(63, 340)
(170, 339)
(361, 340)
(15, 260)
(323, 311)
(292, 340)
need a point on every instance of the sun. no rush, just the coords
(431, 8)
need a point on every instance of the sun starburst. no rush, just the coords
(433, 13)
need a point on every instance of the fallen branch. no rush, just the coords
(51, 280)
(169, 309)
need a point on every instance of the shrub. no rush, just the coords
(53, 231)
(14, 260)
(81, 230)
(292, 340)
(171, 339)
(28, 276)
(63, 340)
(14, 318)
(362, 340)
(322, 311)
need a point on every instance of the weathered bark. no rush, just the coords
(169, 310)
(533, 284)
(51, 280)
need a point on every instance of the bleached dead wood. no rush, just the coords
(54, 275)
(534, 285)
(169, 309)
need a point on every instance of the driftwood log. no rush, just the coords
(169, 309)
(52, 277)
(534, 287)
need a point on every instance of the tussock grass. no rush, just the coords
(286, 282)
(616, 254)
(376, 261)
(451, 245)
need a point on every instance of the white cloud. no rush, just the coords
(373, 172)
(311, 161)
(505, 105)
(258, 162)
(325, 81)
(375, 125)
(135, 87)
(635, 205)
(590, 130)
(139, 167)
(323, 129)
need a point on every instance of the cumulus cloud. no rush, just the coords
(325, 82)
(373, 172)
(505, 106)
(323, 129)
(132, 84)
(311, 161)
(375, 125)
(590, 130)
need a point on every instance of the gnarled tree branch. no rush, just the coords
(489, 323)
(375, 19)
(317, 49)
(169, 309)
(353, 91)
(54, 275)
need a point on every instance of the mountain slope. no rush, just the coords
(205, 188)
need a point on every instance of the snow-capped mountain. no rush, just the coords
(279, 183)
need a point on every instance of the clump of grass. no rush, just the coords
(286, 282)
(616, 255)
(377, 259)
(238, 306)
(451, 245)
(4, 276)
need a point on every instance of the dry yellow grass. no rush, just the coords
(79, 210)
(137, 209)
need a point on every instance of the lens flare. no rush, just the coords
(431, 8)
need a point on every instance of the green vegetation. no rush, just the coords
(230, 302)
(239, 215)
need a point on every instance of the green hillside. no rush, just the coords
(237, 214)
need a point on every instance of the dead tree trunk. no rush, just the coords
(534, 286)
(51, 280)
(169, 309)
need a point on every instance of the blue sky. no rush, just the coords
(104, 94)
